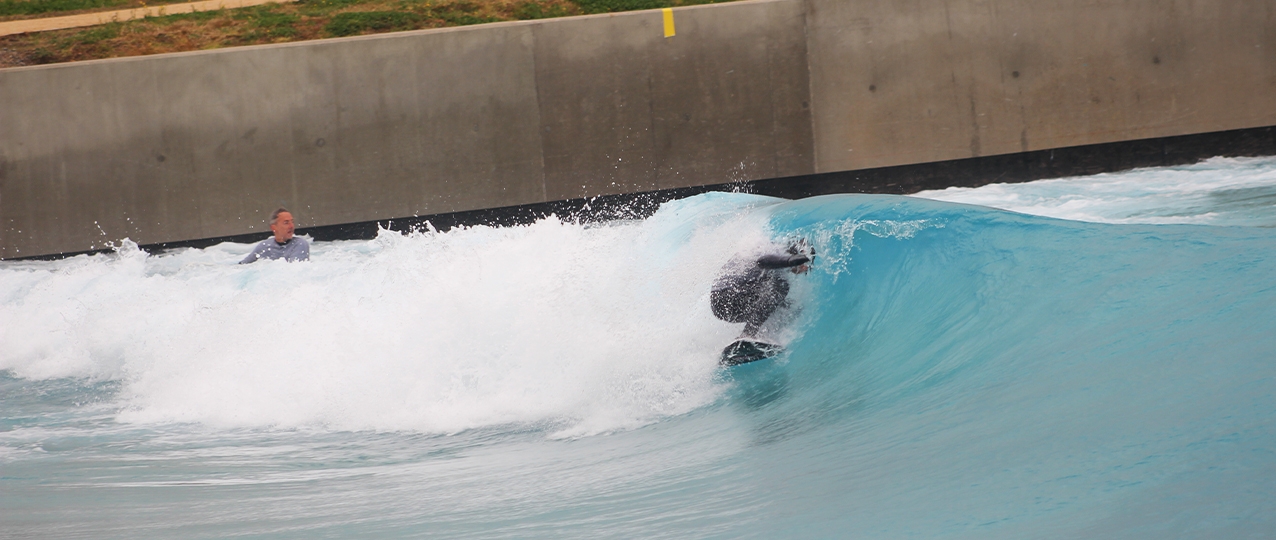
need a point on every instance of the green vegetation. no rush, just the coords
(195, 16)
(319, 8)
(613, 6)
(361, 22)
(276, 23)
(268, 24)
(96, 34)
(415, 15)
(36, 7)
(531, 9)
(30, 8)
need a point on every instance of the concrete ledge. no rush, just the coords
(182, 147)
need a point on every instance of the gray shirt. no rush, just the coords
(295, 249)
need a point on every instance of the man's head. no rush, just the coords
(282, 225)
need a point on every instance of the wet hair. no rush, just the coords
(274, 216)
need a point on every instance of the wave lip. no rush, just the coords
(1218, 191)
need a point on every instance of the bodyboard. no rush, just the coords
(745, 350)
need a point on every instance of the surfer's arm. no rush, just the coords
(772, 262)
(256, 253)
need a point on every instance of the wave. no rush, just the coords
(1012, 375)
(1217, 191)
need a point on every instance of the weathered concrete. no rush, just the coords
(628, 110)
(898, 82)
(204, 145)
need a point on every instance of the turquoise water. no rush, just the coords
(954, 371)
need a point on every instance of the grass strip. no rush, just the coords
(278, 23)
(37, 7)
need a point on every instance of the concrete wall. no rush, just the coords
(909, 81)
(202, 145)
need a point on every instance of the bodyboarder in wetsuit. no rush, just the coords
(751, 289)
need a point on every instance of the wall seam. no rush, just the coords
(540, 108)
(807, 10)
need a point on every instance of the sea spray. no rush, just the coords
(953, 371)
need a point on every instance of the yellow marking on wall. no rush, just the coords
(668, 22)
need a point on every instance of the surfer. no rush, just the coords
(283, 245)
(750, 289)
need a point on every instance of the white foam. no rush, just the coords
(585, 329)
(1219, 191)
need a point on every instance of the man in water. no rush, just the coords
(751, 289)
(283, 245)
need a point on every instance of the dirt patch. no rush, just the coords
(11, 58)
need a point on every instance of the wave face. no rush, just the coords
(953, 371)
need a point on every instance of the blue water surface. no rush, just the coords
(953, 371)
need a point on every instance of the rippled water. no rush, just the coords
(952, 371)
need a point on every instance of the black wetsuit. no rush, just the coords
(750, 291)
